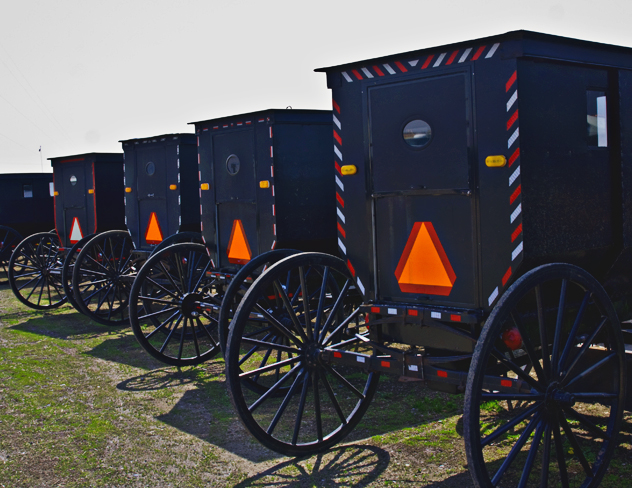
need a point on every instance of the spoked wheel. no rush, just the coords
(9, 239)
(174, 305)
(545, 391)
(240, 284)
(280, 380)
(35, 271)
(103, 275)
(69, 266)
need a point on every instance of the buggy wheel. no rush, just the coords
(240, 284)
(545, 390)
(35, 271)
(9, 239)
(103, 275)
(285, 391)
(67, 268)
(174, 304)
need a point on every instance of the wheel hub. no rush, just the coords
(311, 353)
(556, 396)
(190, 305)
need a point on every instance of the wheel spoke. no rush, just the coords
(510, 425)
(577, 450)
(270, 367)
(273, 388)
(533, 450)
(319, 423)
(570, 342)
(546, 457)
(290, 310)
(345, 382)
(584, 348)
(558, 329)
(301, 408)
(278, 325)
(334, 401)
(588, 424)
(516, 449)
(334, 312)
(285, 402)
(589, 370)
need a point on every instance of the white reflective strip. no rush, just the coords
(492, 50)
(338, 153)
(512, 100)
(392, 311)
(465, 54)
(342, 246)
(413, 367)
(340, 214)
(274, 229)
(272, 190)
(514, 175)
(413, 63)
(515, 213)
(273, 211)
(516, 252)
(435, 315)
(360, 285)
(389, 69)
(492, 297)
(367, 73)
(347, 77)
(271, 152)
(337, 122)
(270, 130)
(360, 359)
(513, 138)
(271, 171)
(339, 183)
(438, 61)
(273, 245)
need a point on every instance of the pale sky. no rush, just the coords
(77, 76)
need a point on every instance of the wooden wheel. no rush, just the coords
(284, 389)
(241, 282)
(68, 267)
(35, 271)
(103, 275)
(174, 304)
(545, 391)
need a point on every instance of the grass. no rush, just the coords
(82, 405)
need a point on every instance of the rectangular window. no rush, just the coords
(28, 191)
(51, 189)
(597, 119)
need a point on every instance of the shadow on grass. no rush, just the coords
(157, 379)
(342, 466)
(124, 349)
(65, 326)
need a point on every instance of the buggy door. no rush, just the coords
(151, 180)
(420, 134)
(73, 180)
(234, 170)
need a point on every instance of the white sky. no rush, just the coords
(77, 76)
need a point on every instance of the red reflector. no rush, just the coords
(442, 374)
(375, 309)
(413, 313)
(506, 383)
(337, 355)
(455, 318)
(385, 364)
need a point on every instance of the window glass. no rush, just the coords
(51, 189)
(417, 133)
(150, 168)
(597, 119)
(28, 191)
(232, 164)
(73, 180)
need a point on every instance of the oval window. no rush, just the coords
(73, 180)
(417, 133)
(232, 165)
(150, 168)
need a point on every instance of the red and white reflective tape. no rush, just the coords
(515, 187)
(432, 61)
(274, 229)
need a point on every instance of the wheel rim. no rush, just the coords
(174, 304)
(102, 277)
(35, 272)
(283, 387)
(544, 407)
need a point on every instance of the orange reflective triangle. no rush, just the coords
(153, 234)
(238, 248)
(424, 266)
(75, 231)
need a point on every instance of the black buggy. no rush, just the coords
(160, 205)
(264, 185)
(26, 207)
(88, 198)
(484, 218)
